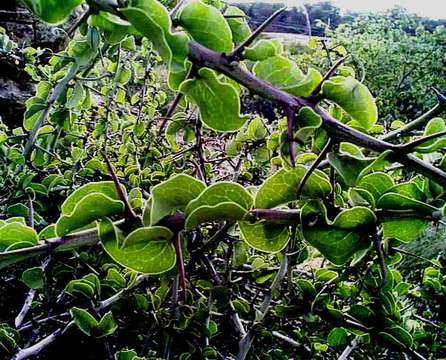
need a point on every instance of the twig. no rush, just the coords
(30, 212)
(328, 75)
(112, 299)
(409, 147)
(418, 122)
(177, 7)
(25, 308)
(427, 321)
(290, 135)
(380, 253)
(405, 252)
(246, 342)
(180, 265)
(241, 47)
(128, 208)
(285, 338)
(37, 348)
(170, 111)
(203, 56)
(199, 148)
(313, 167)
(352, 346)
(59, 89)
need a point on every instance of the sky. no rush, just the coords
(435, 9)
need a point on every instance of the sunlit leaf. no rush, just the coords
(218, 101)
(354, 98)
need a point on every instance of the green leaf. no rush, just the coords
(17, 235)
(220, 192)
(147, 250)
(33, 277)
(264, 236)
(361, 197)
(206, 25)
(76, 96)
(84, 320)
(239, 26)
(409, 189)
(376, 184)
(354, 218)
(306, 122)
(396, 335)
(353, 97)
(338, 246)
(90, 208)
(52, 11)
(281, 187)
(348, 167)
(262, 50)
(115, 28)
(107, 325)
(396, 201)
(173, 195)
(337, 337)
(219, 102)
(404, 230)
(106, 188)
(434, 126)
(151, 20)
(256, 129)
(285, 74)
(210, 213)
(34, 107)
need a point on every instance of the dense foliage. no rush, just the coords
(144, 215)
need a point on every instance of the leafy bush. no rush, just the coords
(190, 230)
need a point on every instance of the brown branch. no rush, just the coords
(203, 56)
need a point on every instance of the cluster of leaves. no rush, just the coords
(375, 44)
(107, 207)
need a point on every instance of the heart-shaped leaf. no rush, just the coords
(223, 191)
(404, 230)
(173, 195)
(238, 24)
(147, 250)
(206, 25)
(376, 184)
(336, 245)
(262, 50)
(208, 213)
(281, 188)
(354, 98)
(264, 236)
(286, 75)
(87, 208)
(16, 235)
(219, 102)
